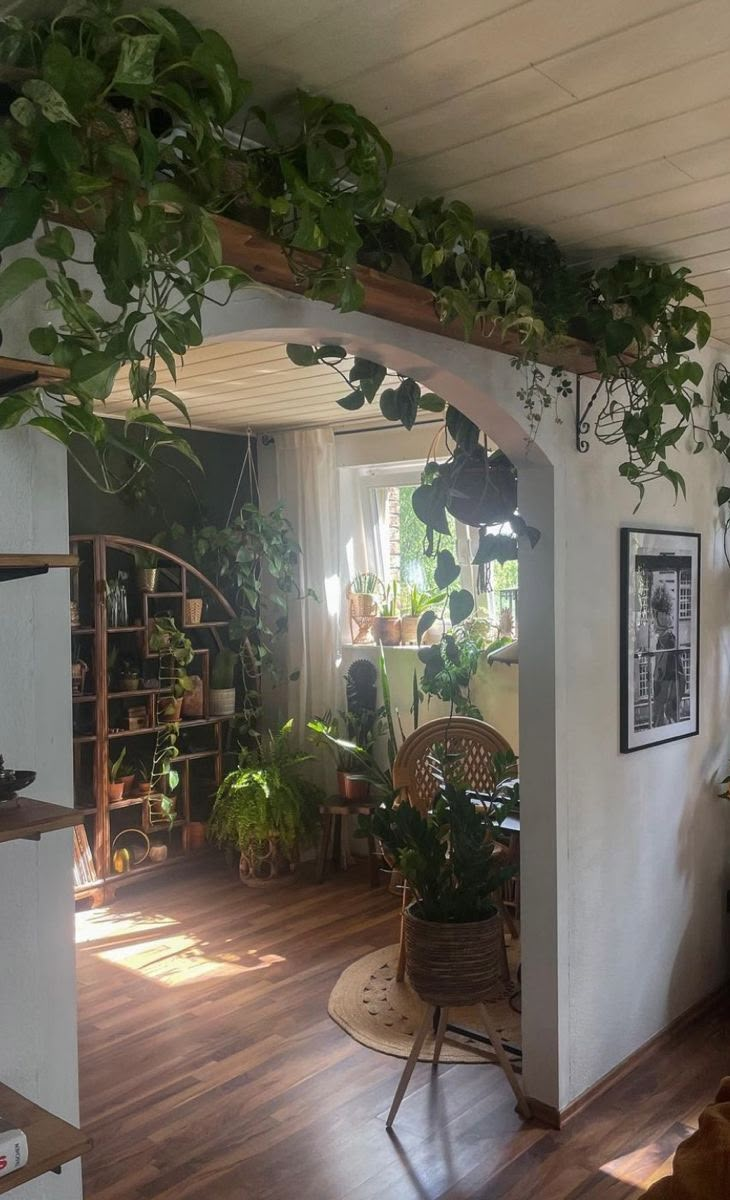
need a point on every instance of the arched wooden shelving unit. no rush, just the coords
(101, 711)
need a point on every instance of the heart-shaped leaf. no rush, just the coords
(461, 605)
(447, 569)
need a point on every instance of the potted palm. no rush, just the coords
(386, 626)
(222, 689)
(266, 809)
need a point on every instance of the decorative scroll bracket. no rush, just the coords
(582, 424)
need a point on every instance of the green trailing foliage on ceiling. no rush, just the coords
(120, 123)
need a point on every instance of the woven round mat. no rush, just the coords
(375, 1010)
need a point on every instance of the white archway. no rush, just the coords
(482, 384)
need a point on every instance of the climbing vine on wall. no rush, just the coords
(119, 125)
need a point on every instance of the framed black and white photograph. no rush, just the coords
(660, 631)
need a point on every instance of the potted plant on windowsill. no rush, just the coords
(363, 593)
(222, 679)
(386, 626)
(115, 787)
(418, 602)
(266, 809)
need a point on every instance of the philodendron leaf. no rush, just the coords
(49, 101)
(58, 244)
(447, 569)
(18, 276)
(94, 374)
(425, 621)
(14, 407)
(301, 356)
(464, 432)
(353, 401)
(19, 215)
(136, 67)
(461, 605)
(429, 508)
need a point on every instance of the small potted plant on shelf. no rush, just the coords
(386, 626)
(176, 652)
(143, 778)
(79, 669)
(266, 809)
(363, 593)
(115, 788)
(146, 564)
(129, 674)
(222, 689)
(417, 603)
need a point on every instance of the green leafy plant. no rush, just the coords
(176, 653)
(224, 667)
(144, 559)
(366, 583)
(266, 806)
(448, 857)
(389, 606)
(418, 601)
(116, 766)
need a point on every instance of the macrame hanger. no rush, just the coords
(253, 482)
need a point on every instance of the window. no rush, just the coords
(643, 678)
(399, 547)
(685, 595)
(684, 658)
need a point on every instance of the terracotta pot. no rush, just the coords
(222, 702)
(192, 705)
(169, 709)
(193, 611)
(196, 835)
(115, 791)
(127, 782)
(387, 630)
(144, 788)
(353, 787)
(409, 630)
(147, 579)
(449, 964)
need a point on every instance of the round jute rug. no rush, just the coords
(375, 1010)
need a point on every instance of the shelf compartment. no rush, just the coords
(81, 739)
(27, 818)
(156, 728)
(83, 699)
(51, 1141)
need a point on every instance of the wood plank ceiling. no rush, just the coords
(237, 386)
(604, 122)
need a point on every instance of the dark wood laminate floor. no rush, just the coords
(210, 1069)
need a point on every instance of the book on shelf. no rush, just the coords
(13, 1148)
(84, 870)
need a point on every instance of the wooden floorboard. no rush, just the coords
(210, 1070)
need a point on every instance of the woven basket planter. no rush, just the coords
(453, 964)
(193, 611)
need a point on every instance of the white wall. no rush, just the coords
(37, 992)
(624, 857)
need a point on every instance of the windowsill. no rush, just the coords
(375, 646)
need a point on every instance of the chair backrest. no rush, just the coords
(473, 745)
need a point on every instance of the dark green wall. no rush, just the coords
(176, 492)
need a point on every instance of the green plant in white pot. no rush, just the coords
(222, 684)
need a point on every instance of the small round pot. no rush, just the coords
(131, 683)
(115, 791)
(222, 702)
(409, 630)
(144, 788)
(387, 630)
(196, 835)
(169, 709)
(193, 611)
(147, 579)
(451, 965)
(127, 782)
(353, 787)
(158, 853)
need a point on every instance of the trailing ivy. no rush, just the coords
(120, 124)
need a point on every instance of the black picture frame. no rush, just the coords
(659, 644)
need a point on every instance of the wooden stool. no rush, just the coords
(332, 812)
(428, 1012)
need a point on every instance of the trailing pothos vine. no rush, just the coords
(120, 125)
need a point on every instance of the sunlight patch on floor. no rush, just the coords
(632, 1168)
(179, 960)
(103, 925)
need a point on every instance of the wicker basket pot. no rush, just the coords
(453, 964)
(363, 608)
(193, 611)
(387, 630)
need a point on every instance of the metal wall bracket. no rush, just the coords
(7, 573)
(582, 424)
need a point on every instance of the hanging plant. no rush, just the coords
(119, 124)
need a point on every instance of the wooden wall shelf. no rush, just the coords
(27, 818)
(21, 566)
(51, 1141)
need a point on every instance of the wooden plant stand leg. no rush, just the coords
(440, 1035)
(323, 846)
(400, 973)
(522, 1106)
(405, 1078)
(508, 920)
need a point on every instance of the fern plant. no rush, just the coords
(266, 808)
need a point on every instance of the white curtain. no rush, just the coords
(307, 476)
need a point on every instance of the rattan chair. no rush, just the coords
(417, 777)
